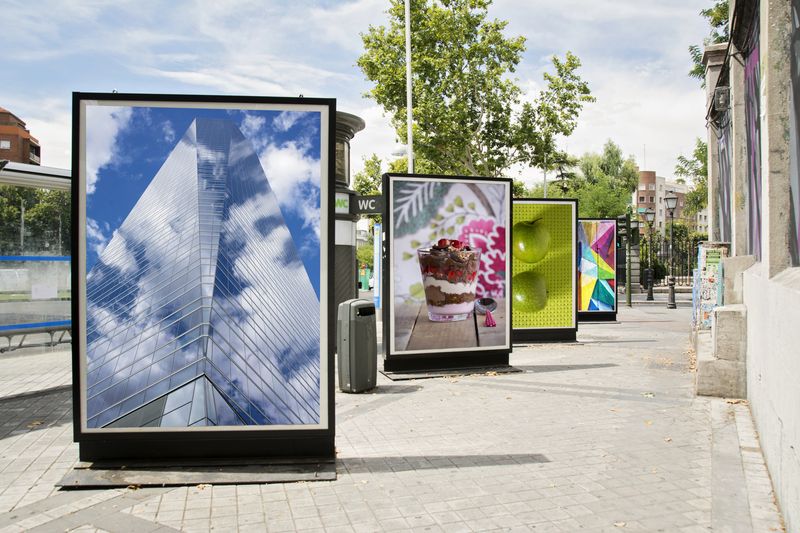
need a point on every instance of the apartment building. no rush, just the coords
(16, 142)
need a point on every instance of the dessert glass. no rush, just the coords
(449, 276)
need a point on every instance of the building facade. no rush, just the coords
(16, 142)
(650, 195)
(753, 95)
(199, 309)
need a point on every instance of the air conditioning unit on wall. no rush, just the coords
(722, 98)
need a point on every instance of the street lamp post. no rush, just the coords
(671, 201)
(650, 216)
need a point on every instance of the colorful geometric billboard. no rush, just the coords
(597, 251)
(543, 269)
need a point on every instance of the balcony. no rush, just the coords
(34, 159)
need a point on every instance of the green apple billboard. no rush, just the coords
(543, 269)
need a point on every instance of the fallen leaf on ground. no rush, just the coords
(34, 424)
(134, 487)
(667, 439)
(203, 486)
(620, 524)
(491, 373)
(648, 422)
(734, 401)
(648, 395)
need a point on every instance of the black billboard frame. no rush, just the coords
(570, 334)
(435, 360)
(601, 316)
(268, 444)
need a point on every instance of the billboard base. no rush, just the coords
(410, 363)
(217, 446)
(108, 474)
(543, 335)
(597, 316)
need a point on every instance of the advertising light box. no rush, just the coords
(446, 273)
(543, 281)
(597, 269)
(201, 273)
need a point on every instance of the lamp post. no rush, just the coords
(671, 201)
(649, 217)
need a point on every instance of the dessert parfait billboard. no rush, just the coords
(447, 276)
(543, 281)
(202, 281)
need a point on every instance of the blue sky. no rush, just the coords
(132, 144)
(634, 55)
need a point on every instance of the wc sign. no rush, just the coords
(361, 205)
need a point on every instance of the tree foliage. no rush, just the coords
(602, 183)
(717, 17)
(695, 168)
(47, 220)
(365, 255)
(470, 117)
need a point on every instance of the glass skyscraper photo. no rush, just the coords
(200, 310)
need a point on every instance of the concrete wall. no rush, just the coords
(771, 287)
(773, 378)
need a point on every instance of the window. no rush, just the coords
(5, 145)
(641, 199)
(652, 186)
(652, 199)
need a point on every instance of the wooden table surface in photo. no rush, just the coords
(415, 331)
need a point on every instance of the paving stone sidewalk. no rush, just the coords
(600, 435)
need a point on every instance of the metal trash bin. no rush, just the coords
(357, 345)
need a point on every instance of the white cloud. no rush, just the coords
(294, 177)
(634, 53)
(251, 125)
(103, 125)
(95, 236)
(377, 137)
(169, 131)
(286, 120)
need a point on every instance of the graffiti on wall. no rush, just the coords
(752, 94)
(794, 137)
(724, 190)
(707, 291)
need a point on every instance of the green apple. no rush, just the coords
(531, 241)
(529, 290)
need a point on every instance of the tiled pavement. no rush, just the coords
(602, 435)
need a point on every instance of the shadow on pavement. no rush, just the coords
(436, 462)
(536, 369)
(34, 411)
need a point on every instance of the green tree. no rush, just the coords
(364, 255)
(695, 168)
(717, 17)
(602, 183)
(470, 117)
(367, 181)
(47, 219)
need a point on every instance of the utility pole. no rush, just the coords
(22, 227)
(410, 133)
(628, 258)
